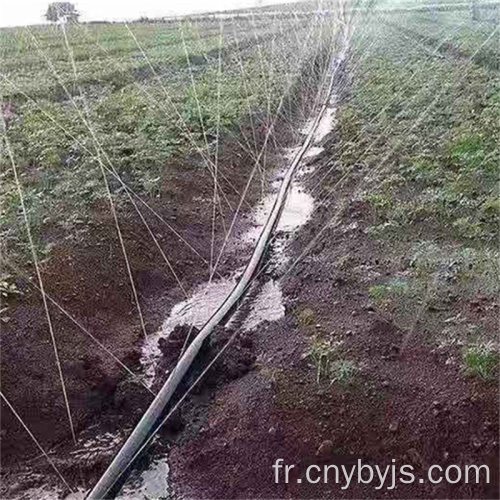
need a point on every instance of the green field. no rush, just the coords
(132, 98)
(421, 125)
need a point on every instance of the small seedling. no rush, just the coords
(378, 293)
(321, 353)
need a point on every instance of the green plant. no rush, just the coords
(491, 206)
(469, 270)
(428, 172)
(378, 293)
(379, 201)
(480, 361)
(469, 151)
(468, 228)
(432, 185)
(343, 371)
(142, 97)
(321, 353)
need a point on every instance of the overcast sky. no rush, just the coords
(22, 12)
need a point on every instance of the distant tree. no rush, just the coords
(62, 11)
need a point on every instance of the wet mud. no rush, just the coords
(91, 292)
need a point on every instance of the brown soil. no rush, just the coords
(407, 402)
(88, 278)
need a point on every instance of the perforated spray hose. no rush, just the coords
(127, 453)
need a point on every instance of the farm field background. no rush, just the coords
(138, 154)
(148, 92)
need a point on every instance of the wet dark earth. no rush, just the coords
(408, 402)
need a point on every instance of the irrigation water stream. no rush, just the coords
(268, 303)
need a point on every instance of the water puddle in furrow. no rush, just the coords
(206, 298)
(150, 483)
(268, 306)
(195, 311)
(268, 303)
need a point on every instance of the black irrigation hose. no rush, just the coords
(127, 453)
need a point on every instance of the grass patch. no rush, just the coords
(444, 171)
(378, 293)
(419, 132)
(343, 371)
(321, 355)
(394, 289)
(144, 111)
(480, 361)
(469, 271)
